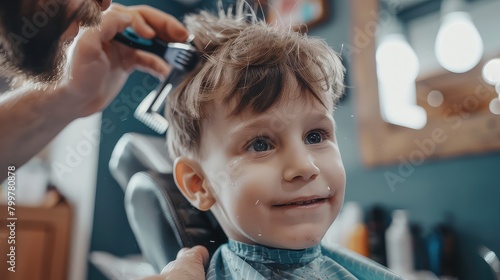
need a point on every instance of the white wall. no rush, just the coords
(73, 156)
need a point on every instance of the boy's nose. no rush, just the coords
(300, 166)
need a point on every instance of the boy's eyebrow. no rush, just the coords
(265, 122)
(249, 125)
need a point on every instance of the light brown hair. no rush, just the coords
(246, 62)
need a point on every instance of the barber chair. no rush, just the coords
(162, 220)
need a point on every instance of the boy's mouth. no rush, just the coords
(303, 202)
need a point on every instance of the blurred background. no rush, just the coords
(418, 129)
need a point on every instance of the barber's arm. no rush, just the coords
(189, 265)
(97, 69)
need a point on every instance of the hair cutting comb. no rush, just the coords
(182, 57)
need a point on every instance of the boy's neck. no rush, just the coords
(264, 254)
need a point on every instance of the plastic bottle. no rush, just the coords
(336, 234)
(356, 233)
(435, 249)
(376, 235)
(399, 244)
(442, 251)
(332, 236)
(449, 252)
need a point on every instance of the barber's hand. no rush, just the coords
(189, 265)
(99, 66)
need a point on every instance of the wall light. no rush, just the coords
(495, 106)
(435, 98)
(397, 69)
(491, 75)
(491, 71)
(459, 46)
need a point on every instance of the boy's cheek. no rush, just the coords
(217, 180)
(236, 166)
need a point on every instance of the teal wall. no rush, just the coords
(464, 191)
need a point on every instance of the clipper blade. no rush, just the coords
(183, 58)
(151, 118)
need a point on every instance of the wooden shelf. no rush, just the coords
(42, 237)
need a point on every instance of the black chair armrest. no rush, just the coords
(136, 152)
(163, 221)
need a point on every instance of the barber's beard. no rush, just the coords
(39, 56)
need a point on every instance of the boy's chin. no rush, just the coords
(295, 242)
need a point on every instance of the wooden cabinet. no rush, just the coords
(42, 237)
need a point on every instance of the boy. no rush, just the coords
(253, 139)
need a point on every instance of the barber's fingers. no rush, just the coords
(190, 258)
(142, 28)
(146, 21)
(166, 26)
(196, 250)
(189, 265)
(181, 252)
(198, 255)
(137, 23)
(114, 21)
(150, 63)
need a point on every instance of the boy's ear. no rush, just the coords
(190, 181)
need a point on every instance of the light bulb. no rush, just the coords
(495, 106)
(397, 69)
(459, 46)
(435, 98)
(398, 104)
(491, 71)
(396, 59)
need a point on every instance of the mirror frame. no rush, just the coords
(382, 143)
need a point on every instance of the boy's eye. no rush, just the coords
(314, 137)
(259, 145)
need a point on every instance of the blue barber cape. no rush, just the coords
(236, 260)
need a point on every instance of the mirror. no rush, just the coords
(457, 111)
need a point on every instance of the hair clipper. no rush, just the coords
(182, 57)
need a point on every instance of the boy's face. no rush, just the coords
(277, 178)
